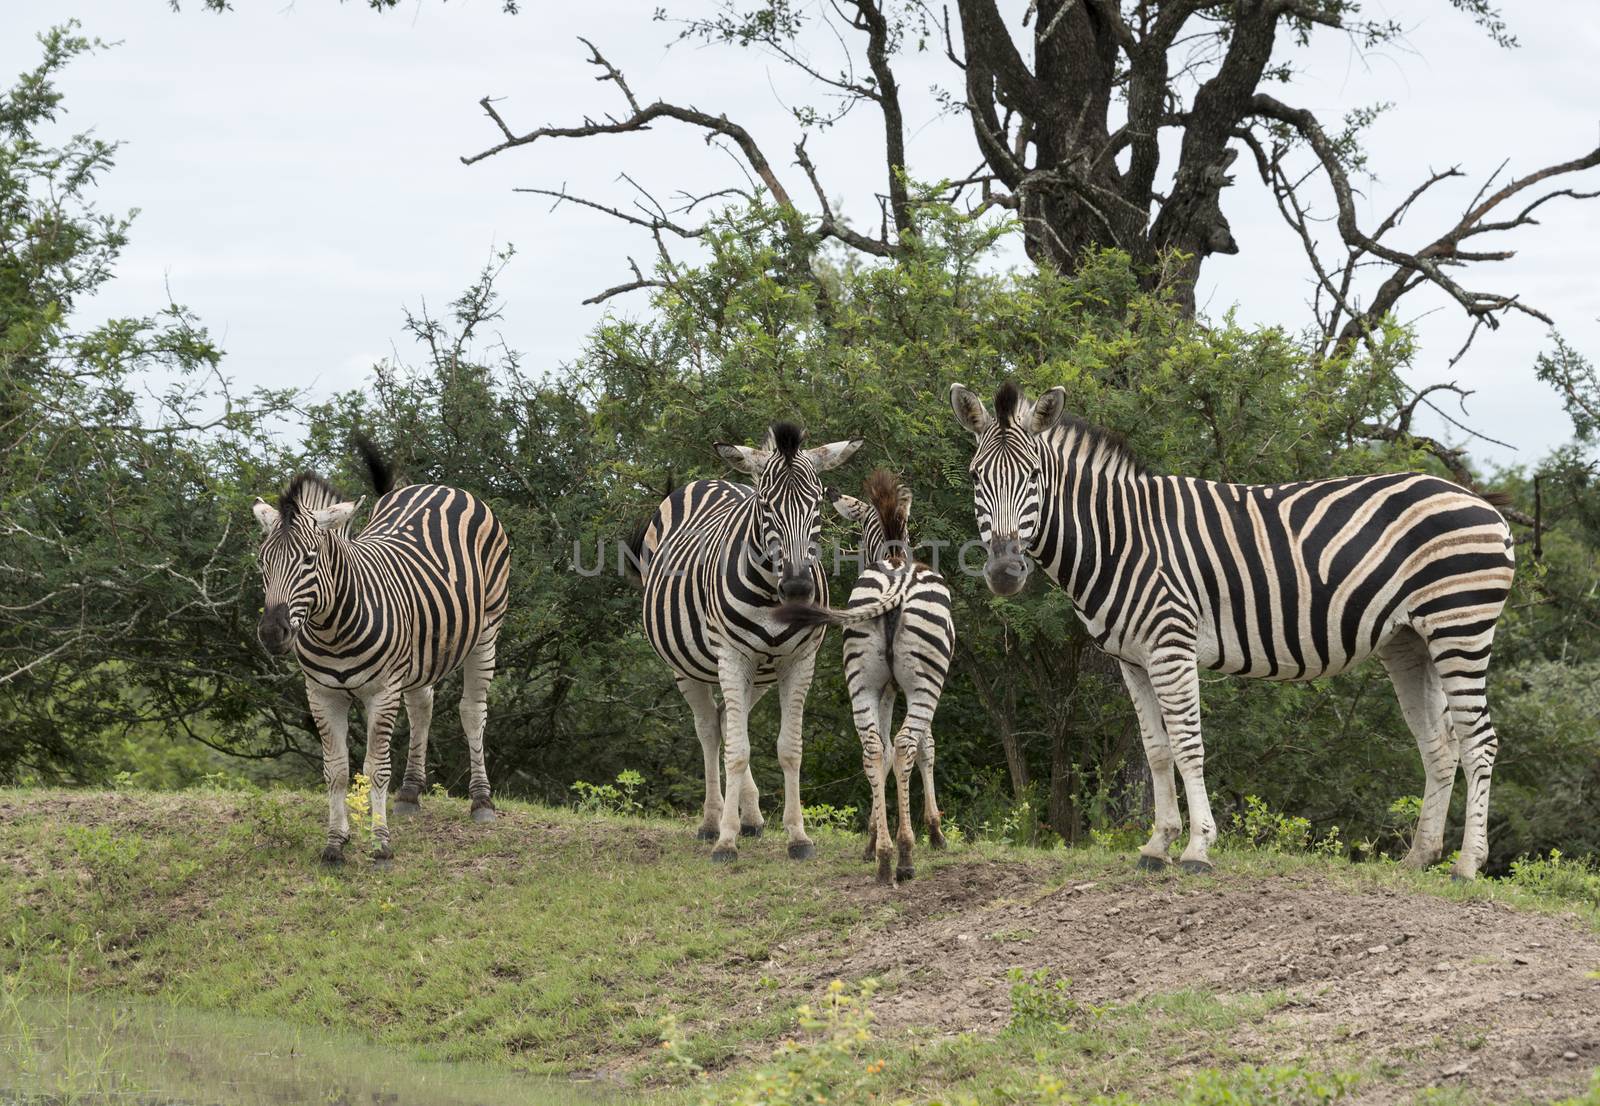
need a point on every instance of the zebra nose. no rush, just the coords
(796, 588)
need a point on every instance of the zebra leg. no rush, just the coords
(930, 804)
(883, 726)
(922, 700)
(1158, 751)
(330, 710)
(751, 823)
(866, 698)
(419, 710)
(1177, 687)
(794, 681)
(1427, 713)
(708, 728)
(736, 673)
(382, 707)
(905, 755)
(475, 677)
(1462, 663)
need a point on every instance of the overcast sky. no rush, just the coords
(296, 168)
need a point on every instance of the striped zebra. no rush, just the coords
(1281, 582)
(898, 633)
(382, 617)
(717, 559)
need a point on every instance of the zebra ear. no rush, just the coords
(849, 506)
(743, 458)
(332, 518)
(832, 455)
(969, 409)
(266, 515)
(1047, 410)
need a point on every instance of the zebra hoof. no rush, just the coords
(751, 831)
(381, 858)
(483, 814)
(1152, 863)
(905, 874)
(1457, 877)
(801, 850)
(405, 808)
(1197, 867)
(706, 833)
(333, 854)
(724, 856)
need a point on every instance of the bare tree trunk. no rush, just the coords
(1002, 707)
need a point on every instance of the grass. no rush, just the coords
(558, 942)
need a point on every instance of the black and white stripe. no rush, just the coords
(382, 617)
(1281, 582)
(898, 634)
(717, 559)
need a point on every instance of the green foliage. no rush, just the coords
(1573, 878)
(1264, 828)
(610, 798)
(831, 1062)
(1037, 1002)
(836, 819)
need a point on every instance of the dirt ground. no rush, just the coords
(1442, 992)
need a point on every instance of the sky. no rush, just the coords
(296, 166)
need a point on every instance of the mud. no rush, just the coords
(1438, 992)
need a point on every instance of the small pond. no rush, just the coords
(137, 1054)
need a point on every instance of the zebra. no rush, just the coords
(1282, 582)
(383, 617)
(716, 559)
(898, 632)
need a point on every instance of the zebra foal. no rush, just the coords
(898, 633)
(716, 560)
(382, 617)
(1281, 582)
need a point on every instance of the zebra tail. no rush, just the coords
(806, 614)
(378, 469)
(634, 563)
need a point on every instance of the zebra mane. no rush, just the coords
(1006, 401)
(1106, 445)
(306, 491)
(883, 492)
(786, 438)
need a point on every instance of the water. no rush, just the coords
(89, 1053)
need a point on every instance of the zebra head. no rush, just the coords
(1007, 473)
(788, 493)
(293, 536)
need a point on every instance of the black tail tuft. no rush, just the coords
(380, 471)
(803, 614)
(634, 563)
(1497, 499)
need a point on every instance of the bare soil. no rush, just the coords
(1436, 991)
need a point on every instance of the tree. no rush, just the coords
(1121, 133)
(122, 598)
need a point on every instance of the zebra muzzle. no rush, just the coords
(1007, 568)
(796, 589)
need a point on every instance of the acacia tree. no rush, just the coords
(1078, 141)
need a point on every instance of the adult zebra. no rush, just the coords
(717, 559)
(1283, 582)
(382, 617)
(898, 633)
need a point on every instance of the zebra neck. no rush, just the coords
(752, 566)
(340, 602)
(1093, 526)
